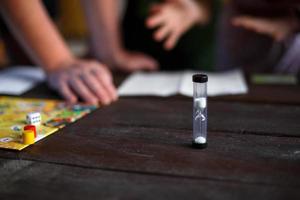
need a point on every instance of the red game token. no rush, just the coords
(30, 127)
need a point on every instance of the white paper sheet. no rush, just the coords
(167, 84)
(225, 83)
(17, 80)
(153, 84)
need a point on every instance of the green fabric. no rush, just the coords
(195, 49)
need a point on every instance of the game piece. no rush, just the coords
(200, 111)
(28, 137)
(31, 127)
(34, 118)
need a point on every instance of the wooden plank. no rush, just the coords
(277, 120)
(253, 144)
(231, 157)
(35, 180)
(272, 94)
(176, 112)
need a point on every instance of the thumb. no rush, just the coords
(147, 62)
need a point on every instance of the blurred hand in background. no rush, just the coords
(173, 18)
(130, 61)
(281, 29)
(73, 78)
(277, 28)
(103, 22)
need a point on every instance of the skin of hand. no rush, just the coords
(277, 28)
(87, 79)
(132, 61)
(173, 18)
(104, 27)
(38, 35)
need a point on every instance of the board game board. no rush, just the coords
(55, 115)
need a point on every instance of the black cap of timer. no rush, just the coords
(200, 78)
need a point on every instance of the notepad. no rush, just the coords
(165, 84)
(17, 80)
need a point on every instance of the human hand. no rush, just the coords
(88, 80)
(133, 61)
(173, 18)
(277, 28)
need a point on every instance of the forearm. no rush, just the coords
(103, 23)
(36, 33)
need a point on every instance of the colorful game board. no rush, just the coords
(55, 115)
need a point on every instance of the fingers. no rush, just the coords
(139, 61)
(59, 82)
(66, 92)
(162, 33)
(87, 80)
(104, 72)
(254, 24)
(171, 40)
(245, 22)
(155, 20)
(169, 32)
(97, 88)
(169, 25)
(98, 80)
(105, 79)
(261, 26)
(133, 61)
(149, 63)
(82, 90)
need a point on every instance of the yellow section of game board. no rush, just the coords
(13, 113)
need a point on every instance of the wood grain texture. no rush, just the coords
(98, 141)
(38, 180)
(140, 148)
(240, 114)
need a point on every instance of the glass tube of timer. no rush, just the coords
(200, 111)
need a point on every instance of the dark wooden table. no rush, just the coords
(140, 148)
